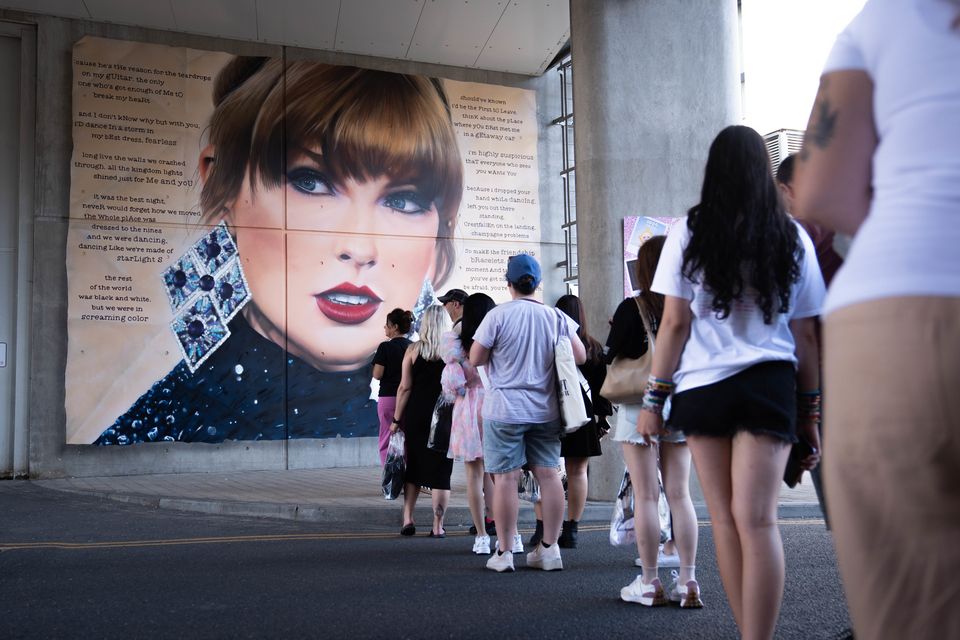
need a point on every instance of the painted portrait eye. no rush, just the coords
(309, 181)
(407, 202)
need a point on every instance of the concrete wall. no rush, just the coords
(49, 456)
(654, 82)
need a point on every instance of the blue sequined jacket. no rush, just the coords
(249, 389)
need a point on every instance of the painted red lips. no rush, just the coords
(348, 304)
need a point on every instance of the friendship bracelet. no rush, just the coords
(809, 405)
(656, 393)
(667, 382)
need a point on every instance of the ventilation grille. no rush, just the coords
(781, 143)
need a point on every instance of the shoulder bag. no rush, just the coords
(627, 377)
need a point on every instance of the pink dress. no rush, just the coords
(460, 384)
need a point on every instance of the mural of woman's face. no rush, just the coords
(325, 260)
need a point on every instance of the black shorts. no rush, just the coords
(761, 399)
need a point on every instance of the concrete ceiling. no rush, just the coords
(516, 36)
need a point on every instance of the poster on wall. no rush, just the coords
(636, 231)
(240, 227)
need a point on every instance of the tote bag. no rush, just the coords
(627, 377)
(572, 410)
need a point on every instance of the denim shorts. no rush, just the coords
(625, 430)
(507, 447)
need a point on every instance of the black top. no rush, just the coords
(390, 355)
(627, 336)
(249, 389)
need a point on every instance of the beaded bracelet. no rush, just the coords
(656, 393)
(809, 405)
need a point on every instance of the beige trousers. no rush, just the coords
(892, 463)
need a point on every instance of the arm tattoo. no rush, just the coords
(822, 125)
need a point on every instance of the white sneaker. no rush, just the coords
(517, 543)
(668, 561)
(687, 595)
(649, 595)
(546, 559)
(481, 545)
(500, 562)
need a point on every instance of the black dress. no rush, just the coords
(425, 467)
(585, 441)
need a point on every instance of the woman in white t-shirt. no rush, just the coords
(881, 162)
(737, 349)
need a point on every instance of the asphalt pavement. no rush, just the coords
(349, 496)
(77, 565)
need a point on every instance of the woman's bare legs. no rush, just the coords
(474, 469)
(551, 503)
(675, 467)
(642, 464)
(440, 499)
(576, 487)
(758, 464)
(740, 478)
(410, 493)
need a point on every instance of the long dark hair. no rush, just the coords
(475, 308)
(647, 259)
(571, 305)
(741, 241)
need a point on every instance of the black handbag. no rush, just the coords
(800, 450)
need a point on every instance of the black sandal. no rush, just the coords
(408, 530)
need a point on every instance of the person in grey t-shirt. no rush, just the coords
(521, 416)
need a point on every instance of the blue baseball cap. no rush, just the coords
(523, 265)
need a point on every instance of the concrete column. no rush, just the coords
(653, 83)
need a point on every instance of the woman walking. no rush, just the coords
(644, 456)
(578, 447)
(416, 398)
(737, 348)
(387, 368)
(462, 386)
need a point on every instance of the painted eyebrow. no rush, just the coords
(403, 184)
(311, 155)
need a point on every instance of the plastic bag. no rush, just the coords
(621, 524)
(663, 508)
(440, 424)
(528, 487)
(394, 468)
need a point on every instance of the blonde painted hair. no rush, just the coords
(434, 323)
(365, 124)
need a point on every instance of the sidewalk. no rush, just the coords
(342, 496)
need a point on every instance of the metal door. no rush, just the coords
(16, 179)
